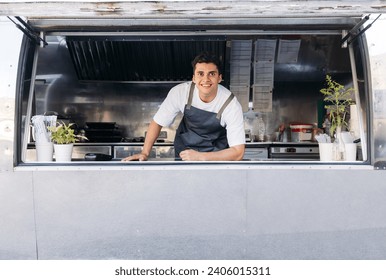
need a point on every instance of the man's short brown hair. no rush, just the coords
(207, 57)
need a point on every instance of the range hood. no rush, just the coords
(137, 61)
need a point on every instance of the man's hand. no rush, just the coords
(152, 134)
(190, 155)
(140, 157)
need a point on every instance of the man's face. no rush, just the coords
(206, 77)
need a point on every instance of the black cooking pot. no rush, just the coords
(97, 157)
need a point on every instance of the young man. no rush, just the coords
(212, 127)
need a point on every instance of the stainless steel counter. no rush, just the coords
(255, 151)
(165, 151)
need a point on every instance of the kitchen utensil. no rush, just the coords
(97, 157)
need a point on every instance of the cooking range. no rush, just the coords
(294, 151)
(103, 132)
(109, 133)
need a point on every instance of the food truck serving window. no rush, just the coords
(108, 86)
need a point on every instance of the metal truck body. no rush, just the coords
(208, 210)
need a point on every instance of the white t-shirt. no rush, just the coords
(231, 119)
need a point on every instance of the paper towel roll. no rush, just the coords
(353, 112)
(354, 122)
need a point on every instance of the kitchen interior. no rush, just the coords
(111, 86)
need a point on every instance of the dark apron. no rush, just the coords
(201, 130)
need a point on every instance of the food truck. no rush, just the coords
(106, 67)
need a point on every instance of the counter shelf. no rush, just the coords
(255, 151)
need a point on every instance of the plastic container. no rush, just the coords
(326, 151)
(301, 132)
(44, 151)
(350, 152)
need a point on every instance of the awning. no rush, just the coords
(189, 8)
(60, 15)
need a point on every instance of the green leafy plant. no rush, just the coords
(64, 134)
(338, 99)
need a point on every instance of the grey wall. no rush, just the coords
(17, 217)
(204, 213)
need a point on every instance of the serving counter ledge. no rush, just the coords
(172, 164)
(287, 153)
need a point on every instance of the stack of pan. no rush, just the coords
(103, 132)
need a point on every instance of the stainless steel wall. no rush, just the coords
(296, 95)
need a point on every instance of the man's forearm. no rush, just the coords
(151, 136)
(232, 153)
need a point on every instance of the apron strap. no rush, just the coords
(230, 98)
(190, 98)
(226, 103)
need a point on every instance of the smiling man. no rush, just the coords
(212, 127)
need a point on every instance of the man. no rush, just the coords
(212, 127)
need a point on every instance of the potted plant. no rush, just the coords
(338, 99)
(63, 136)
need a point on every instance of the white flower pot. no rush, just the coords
(63, 152)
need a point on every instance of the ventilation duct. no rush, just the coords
(138, 61)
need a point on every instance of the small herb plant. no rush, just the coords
(338, 99)
(64, 134)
